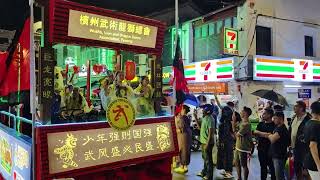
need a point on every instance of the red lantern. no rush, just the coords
(76, 69)
(130, 70)
(97, 68)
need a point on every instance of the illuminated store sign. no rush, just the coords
(15, 157)
(285, 69)
(103, 28)
(231, 41)
(208, 71)
(87, 148)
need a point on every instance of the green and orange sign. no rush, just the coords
(231, 41)
(286, 69)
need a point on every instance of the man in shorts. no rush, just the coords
(243, 144)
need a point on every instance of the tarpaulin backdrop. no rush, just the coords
(9, 65)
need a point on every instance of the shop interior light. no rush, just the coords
(292, 86)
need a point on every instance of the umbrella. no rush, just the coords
(271, 95)
(191, 100)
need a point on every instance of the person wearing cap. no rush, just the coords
(207, 141)
(300, 118)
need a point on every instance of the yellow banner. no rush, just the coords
(102, 28)
(86, 148)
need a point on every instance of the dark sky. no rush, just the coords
(13, 12)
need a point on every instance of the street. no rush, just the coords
(197, 164)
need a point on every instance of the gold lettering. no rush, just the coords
(84, 20)
(101, 138)
(115, 152)
(87, 140)
(47, 94)
(122, 26)
(47, 70)
(137, 134)
(126, 135)
(104, 23)
(146, 31)
(138, 147)
(131, 28)
(103, 153)
(88, 155)
(147, 132)
(47, 82)
(114, 136)
(94, 21)
(113, 25)
(139, 29)
(149, 146)
(126, 149)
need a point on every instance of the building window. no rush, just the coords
(263, 41)
(234, 22)
(308, 45)
(204, 31)
(219, 26)
(228, 23)
(211, 28)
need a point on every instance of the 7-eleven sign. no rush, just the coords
(231, 41)
(303, 70)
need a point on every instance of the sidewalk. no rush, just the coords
(197, 164)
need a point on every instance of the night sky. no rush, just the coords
(13, 12)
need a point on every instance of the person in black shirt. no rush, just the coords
(312, 138)
(279, 144)
(266, 126)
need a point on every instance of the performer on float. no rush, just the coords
(145, 103)
(120, 89)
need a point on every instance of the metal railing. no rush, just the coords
(16, 120)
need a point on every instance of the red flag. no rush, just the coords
(9, 83)
(179, 79)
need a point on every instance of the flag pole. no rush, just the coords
(32, 89)
(175, 45)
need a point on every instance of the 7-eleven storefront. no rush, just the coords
(295, 79)
(210, 77)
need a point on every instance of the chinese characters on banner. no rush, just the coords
(103, 28)
(231, 41)
(47, 74)
(88, 148)
(158, 78)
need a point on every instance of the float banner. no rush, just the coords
(87, 148)
(102, 28)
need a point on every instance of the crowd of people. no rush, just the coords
(71, 99)
(280, 140)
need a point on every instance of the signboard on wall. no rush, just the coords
(88, 148)
(231, 41)
(47, 75)
(15, 157)
(210, 87)
(304, 93)
(210, 71)
(268, 68)
(103, 28)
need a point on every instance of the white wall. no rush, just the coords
(249, 100)
(287, 37)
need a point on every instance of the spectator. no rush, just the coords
(207, 141)
(312, 137)
(243, 144)
(184, 139)
(226, 142)
(266, 126)
(279, 145)
(298, 144)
